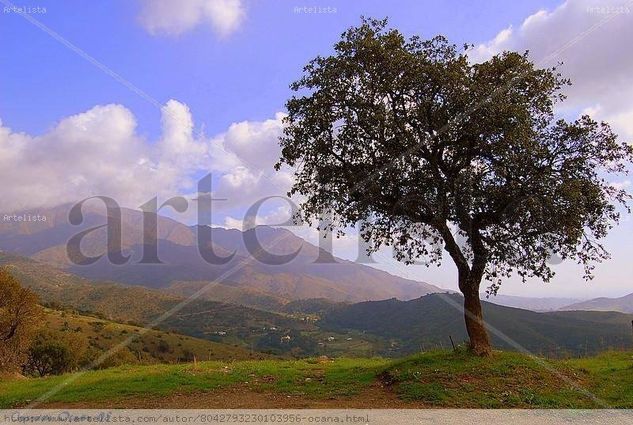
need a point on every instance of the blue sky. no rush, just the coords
(242, 76)
(217, 74)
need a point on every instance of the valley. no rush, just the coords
(301, 328)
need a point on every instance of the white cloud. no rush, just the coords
(99, 152)
(279, 215)
(245, 155)
(175, 17)
(592, 38)
(93, 153)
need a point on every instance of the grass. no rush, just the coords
(507, 380)
(610, 377)
(310, 377)
(434, 379)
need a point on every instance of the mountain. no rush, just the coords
(530, 303)
(228, 294)
(623, 304)
(200, 318)
(389, 327)
(244, 279)
(46, 239)
(429, 321)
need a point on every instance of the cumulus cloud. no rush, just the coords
(93, 153)
(250, 151)
(592, 38)
(175, 17)
(99, 152)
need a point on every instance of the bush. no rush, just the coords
(121, 357)
(56, 352)
(49, 358)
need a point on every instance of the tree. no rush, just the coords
(54, 352)
(49, 357)
(426, 149)
(19, 319)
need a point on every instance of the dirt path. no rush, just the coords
(238, 397)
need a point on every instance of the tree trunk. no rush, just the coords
(479, 341)
(469, 282)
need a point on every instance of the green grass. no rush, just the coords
(306, 377)
(513, 380)
(609, 376)
(435, 379)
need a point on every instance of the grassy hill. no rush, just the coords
(145, 345)
(434, 379)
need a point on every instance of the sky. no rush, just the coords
(137, 98)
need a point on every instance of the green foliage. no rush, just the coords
(122, 356)
(279, 342)
(19, 320)
(315, 379)
(57, 351)
(137, 305)
(510, 380)
(431, 152)
(431, 393)
(141, 345)
(49, 358)
(163, 347)
(552, 334)
(412, 137)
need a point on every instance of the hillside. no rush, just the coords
(434, 379)
(228, 294)
(623, 304)
(201, 318)
(429, 321)
(390, 327)
(300, 278)
(144, 345)
(530, 303)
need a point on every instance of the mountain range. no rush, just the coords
(436, 320)
(246, 279)
(530, 303)
(301, 306)
(622, 304)
(388, 327)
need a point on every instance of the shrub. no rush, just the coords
(49, 358)
(56, 352)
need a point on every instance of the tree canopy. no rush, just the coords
(426, 147)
